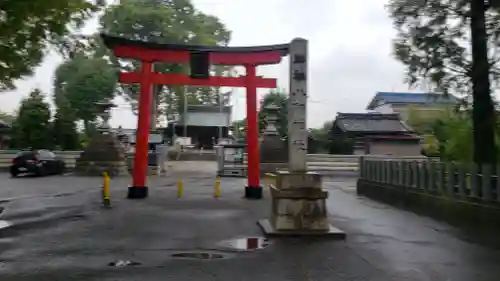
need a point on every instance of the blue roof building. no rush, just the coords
(426, 104)
(431, 99)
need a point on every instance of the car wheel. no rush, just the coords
(14, 174)
(61, 169)
(40, 172)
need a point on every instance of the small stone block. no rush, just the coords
(332, 232)
(299, 193)
(286, 179)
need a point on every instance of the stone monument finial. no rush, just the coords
(104, 111)
(271, 120)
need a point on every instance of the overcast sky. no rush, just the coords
(349, 53)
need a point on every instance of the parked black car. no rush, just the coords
(38, 162)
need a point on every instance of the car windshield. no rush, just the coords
(24, 154)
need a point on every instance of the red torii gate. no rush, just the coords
(200, 58)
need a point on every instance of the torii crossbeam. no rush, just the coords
(200, 58)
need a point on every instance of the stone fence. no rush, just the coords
(323, 163)
(334, 163)
(455, 192)
(69, 157)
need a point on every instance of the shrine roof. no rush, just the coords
(208, 108)
(111, 41)
(371, 123)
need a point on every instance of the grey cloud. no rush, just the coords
(347, 80)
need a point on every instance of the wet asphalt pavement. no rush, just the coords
(60, 232)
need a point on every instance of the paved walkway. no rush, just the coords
(60, 232)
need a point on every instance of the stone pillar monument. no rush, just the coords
(104, 153)
(273, 152)
(298, 200)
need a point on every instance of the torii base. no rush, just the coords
(137, 192)
(299, 207)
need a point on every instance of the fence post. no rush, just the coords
(407, 174)
(362, 172)
(425, 176)
(400, 173)
(418, 175)
(413, 174)
(380, 165)
(368, 168)
(404, 178)
(391, 173)
(371, 169)
(474, 181)
(450, 179)
(440, 178)
(415, 171)
(462, 180)
(384, 171)
(486, 182)
(387, 172)
(431, 179)
(497, 187)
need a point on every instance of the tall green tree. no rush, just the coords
(81, 82)
(64, 129)
(27, 28)
(31, 127)
(433, 42)
(165, 22)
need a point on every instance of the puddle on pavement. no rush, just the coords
(198, 255)
(246, 244)
(123, 263)
(5, 224)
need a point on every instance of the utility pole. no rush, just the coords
(220, 113)
(184, 119)
(483, 111)
(224, 99)
(154, 103)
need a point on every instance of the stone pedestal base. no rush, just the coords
(272, 167)
(97, 168)
(270, 230)
(104, 153)
(299, 207)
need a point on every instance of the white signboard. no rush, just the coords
(153, 138)
(184, 141)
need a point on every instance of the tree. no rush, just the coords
(432, 41)
(28, 27)
(165, 22)
(321, 138)
(81, 82)
(31, 127)
(64, 129)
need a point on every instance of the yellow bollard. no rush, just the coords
(217, 188)
(179, 188)
(106, 201)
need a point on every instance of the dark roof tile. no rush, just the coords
(370, 122)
